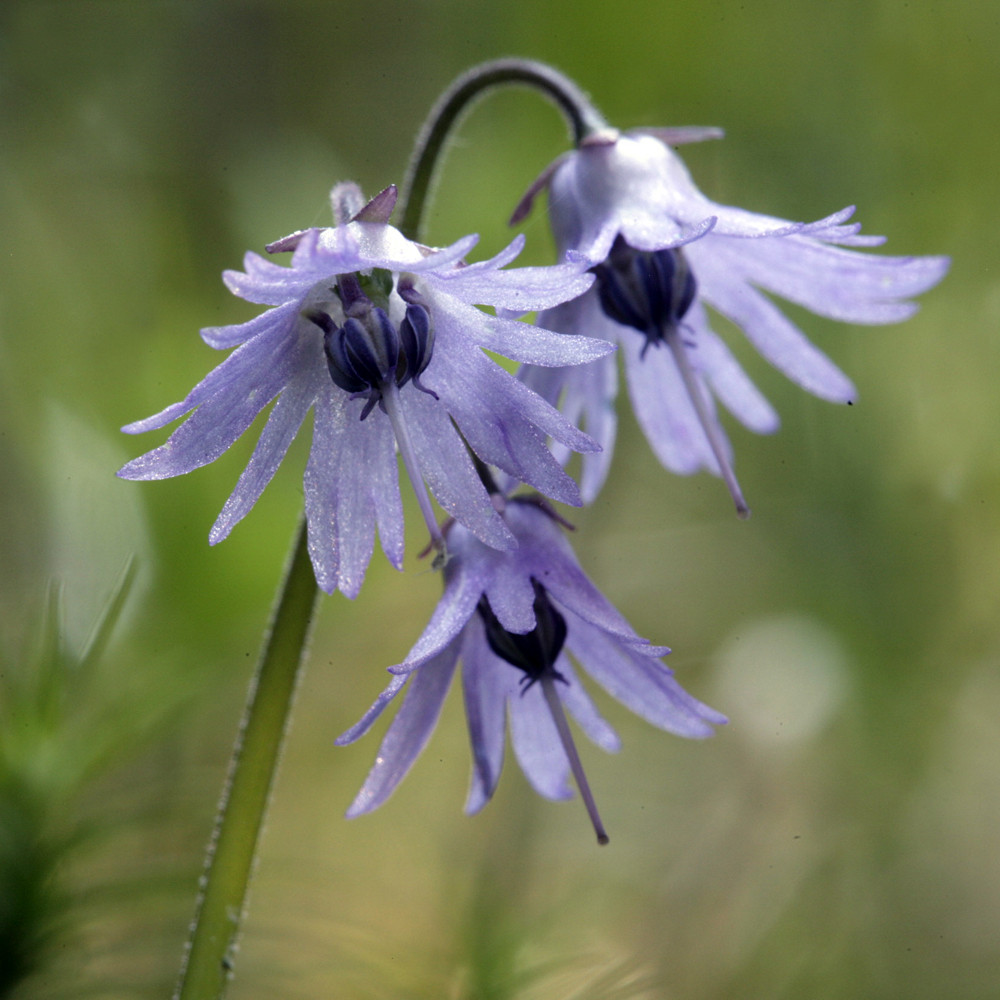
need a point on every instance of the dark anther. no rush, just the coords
(534, 652)
(416, 338)
(367, 352)
(648, 290)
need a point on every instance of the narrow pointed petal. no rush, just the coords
(486, 714)
(779, 341)
(534, 344)
(381, 703)
(457, 605)
(320, 482)
(279, 432)
(585, 393)
(584, 711)
(664, 410)
(840, 284)
(408, 733)
(536, 742)
(240, 394)
(729, 383)
(523, 289)
(368, 443)
(383, 473)
(641, 683)
(224, 337)
(449, 472)
(266, 283)
(509, 430)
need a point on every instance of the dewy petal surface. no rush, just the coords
(351, 485)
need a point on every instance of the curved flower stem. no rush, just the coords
(245, 796)
(208, 960)
(581, 115)
(559, 718)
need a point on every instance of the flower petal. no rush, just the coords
(664, 409)
(577, 701)
(227, 399)
(366, 444)
(533, 344)
(536, 741)
(640, 682)
(447, 469)
(521, 289)
(728, 381)
(409, 732)
(486, 713)
(462, 591)
(276, 438)
(777, 339)
(224, 337)
(320, 484)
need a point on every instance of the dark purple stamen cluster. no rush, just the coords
(368, 351)
(534, 652)
(647, 290)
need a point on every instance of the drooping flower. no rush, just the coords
(662, 251)
(510, 617)
(379, 336)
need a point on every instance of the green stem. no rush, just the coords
(208, 961)
(581, 115)
(221, 905)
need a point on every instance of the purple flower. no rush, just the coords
(510, 617)
(663, 251)
(381, 338)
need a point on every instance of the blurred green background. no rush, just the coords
(837, 840)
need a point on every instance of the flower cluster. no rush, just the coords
(385, 341)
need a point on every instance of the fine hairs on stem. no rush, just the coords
(581, 116)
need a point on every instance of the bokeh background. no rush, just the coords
(837, 840)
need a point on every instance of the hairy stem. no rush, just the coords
(582, 117)
(246, 793)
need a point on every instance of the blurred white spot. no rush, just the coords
(781, 678)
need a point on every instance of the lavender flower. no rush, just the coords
(380, 337)
(663, 251)
(510, 617)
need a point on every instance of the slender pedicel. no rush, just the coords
(548, 682)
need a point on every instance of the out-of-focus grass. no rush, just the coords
(836, 840)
